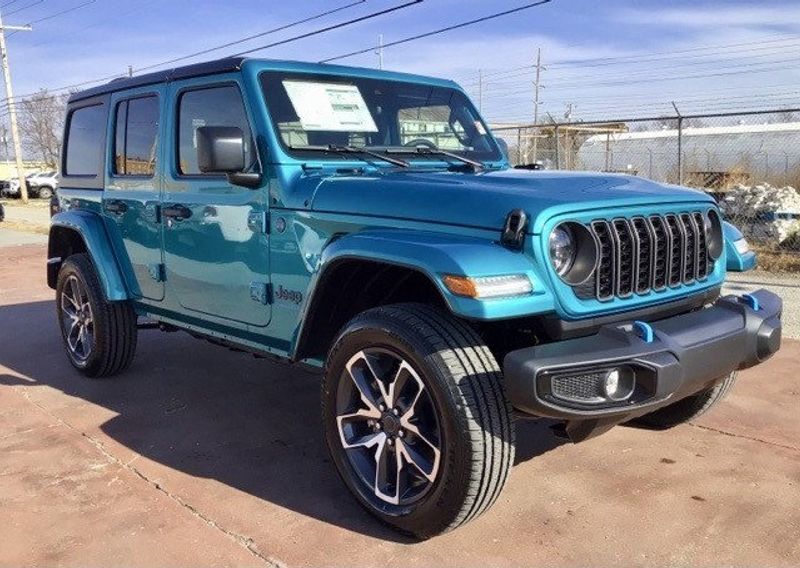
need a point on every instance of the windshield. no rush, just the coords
(312, 112)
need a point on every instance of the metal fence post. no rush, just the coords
(519, 145)
(680, 150)
(558, 156)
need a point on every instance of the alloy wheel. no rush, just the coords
(77, 319)
(388, 426)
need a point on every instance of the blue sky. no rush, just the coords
(757, 68)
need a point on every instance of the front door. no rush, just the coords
(216, 248)
(132, 192)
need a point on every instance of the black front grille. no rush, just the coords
(641, 254)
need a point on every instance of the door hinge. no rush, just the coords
(257, 222)
(261, 292)
(157, 272)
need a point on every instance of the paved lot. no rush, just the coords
(199, 456)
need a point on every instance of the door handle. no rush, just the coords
(176, 211)
(115, 207)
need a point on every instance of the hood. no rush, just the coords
(483, 200)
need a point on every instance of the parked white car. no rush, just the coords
(40, 184)
(43, 184)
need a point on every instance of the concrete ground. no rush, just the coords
(198, 456)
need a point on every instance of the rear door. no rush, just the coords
(216, 249)
(133, 189)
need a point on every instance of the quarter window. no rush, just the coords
(85, 137)
(136, 137)
(213, 106)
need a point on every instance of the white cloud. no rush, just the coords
(716, 16)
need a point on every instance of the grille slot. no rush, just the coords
(583, 388)
(642, 254)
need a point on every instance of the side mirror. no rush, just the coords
(220, 149)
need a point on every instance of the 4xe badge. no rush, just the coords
(288, 295)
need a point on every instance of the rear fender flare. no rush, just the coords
(92, 232)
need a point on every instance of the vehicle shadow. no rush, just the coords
(203, 410)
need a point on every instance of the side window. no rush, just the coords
(136, 137)
(84, 141)
(213, 106)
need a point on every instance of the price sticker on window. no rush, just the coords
(330, 107)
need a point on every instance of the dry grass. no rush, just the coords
(776, 260)
(25, 227)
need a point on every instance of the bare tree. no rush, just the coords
(42, 121)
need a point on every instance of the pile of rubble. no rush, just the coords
(765, 214)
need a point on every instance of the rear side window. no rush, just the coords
(213, 106)
(85, 140)
(136, 137)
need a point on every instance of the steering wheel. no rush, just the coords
(416, 142)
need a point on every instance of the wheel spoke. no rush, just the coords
(75, 289)
(412, 379)
(387, 473)
(88, 339)
(355, 431)
(427, 466)
(72, 335)
(362, 382)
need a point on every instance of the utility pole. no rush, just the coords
(12, 111)
(379, 51)
(536, 87)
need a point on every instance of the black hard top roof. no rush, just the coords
(185, 72)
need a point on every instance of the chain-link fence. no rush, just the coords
(749, 162)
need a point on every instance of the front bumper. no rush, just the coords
(686, 354)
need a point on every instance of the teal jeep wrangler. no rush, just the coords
(368, 224)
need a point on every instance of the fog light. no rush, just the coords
(619, 384)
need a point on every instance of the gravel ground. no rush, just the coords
(199, 456)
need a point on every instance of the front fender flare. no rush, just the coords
(437, 254)
(736, 262)
(91, 230)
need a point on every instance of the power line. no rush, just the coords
(31, 5)
(258, 35)
(712, 51)
(439, 31)
(62, 12)
(57, 14)
(122, 74)
(335, 27)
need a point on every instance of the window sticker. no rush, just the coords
(481, 129)
(330, 107)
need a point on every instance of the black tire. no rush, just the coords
(473, 416)
(112, 333)
(44, 192)
(688, 408)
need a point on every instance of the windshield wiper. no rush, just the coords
(476, 166)
(334, 149)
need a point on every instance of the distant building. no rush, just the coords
(715, 157)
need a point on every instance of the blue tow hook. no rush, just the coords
(751, 301)
(645, 331)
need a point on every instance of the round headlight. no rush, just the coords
(573, 252)
(714, 238)
(562, 249)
